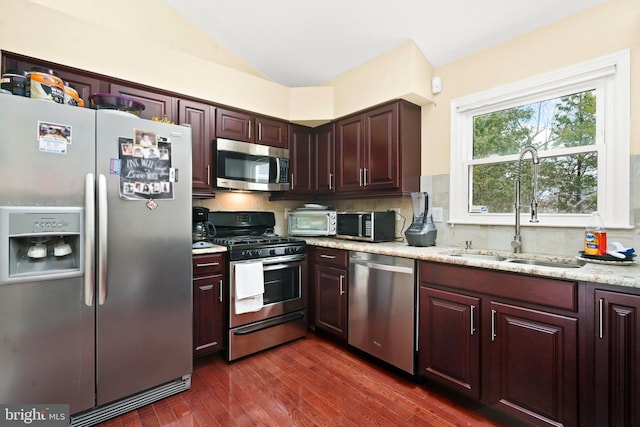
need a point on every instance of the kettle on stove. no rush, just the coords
(422, 231)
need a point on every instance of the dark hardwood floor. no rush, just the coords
(308, 382)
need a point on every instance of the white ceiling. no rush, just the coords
(307, 42)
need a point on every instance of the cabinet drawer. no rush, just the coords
(208, 264)
(332, 257)
(554, 293)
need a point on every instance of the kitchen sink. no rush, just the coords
(508, 258)
(486, 257)
(541, 263)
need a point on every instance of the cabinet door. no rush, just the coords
(449, 346)
(324, 146)
(533, 364)
(617, 359)
(349, 154)
(301, 162)
(330, 299)
(272, 132)
(208, 314)
(234, 125)
(201, 118)
(155, 104)
(382, 145)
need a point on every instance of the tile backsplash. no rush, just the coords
(552, 241)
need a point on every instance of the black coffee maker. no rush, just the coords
(203, 229)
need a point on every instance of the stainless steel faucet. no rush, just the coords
(516, 243)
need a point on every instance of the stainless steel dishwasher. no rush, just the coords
(382, 308)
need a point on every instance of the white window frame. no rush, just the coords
(610, 76)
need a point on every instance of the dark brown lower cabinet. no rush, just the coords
(450, 339)
(617, 359)
(533, 369)
(501, 339)
(208, 304)
(330, 275)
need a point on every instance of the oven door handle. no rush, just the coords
(280, 266)
(270, 323)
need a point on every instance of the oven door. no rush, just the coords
(284, 289)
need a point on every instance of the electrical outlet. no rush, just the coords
(397, 210)
(437, 214)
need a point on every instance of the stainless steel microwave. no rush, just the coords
(246, 166)
(312, 223)
(374, 226)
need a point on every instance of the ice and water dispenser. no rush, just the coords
(42, 243)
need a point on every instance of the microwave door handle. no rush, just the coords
(277, 169)
(360, 234)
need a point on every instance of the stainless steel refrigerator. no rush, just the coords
(95, 258)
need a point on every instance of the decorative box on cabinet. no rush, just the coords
(208, 303)
(508, 340)
(331, 268)
(85, 83)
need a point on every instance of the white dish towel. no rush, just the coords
(249, 279)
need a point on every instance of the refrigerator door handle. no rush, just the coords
(89, 239)
(102, 239)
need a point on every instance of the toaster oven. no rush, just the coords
(303, 222)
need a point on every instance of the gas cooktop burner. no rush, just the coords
(254, 247)
(247, 240)
(249, 235)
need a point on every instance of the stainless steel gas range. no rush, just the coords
(267, 279)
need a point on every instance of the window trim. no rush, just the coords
(611, 74)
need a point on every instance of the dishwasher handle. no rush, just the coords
(380, 266)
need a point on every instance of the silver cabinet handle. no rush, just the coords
(601, 318)
(330, 181)
(220, 286)
(493, 325)
(208, 174)
(360, 171)
(473, 326)
(341, 284)
(327, 256)
(89, 238)
(102, 239)
(365, 173)
(207, 264)
(206, 288)
(291, 181)
(249, 128)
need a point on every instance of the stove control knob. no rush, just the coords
(256, 252)
(272, 252)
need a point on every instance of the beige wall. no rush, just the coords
(610, 27)
(146, 41)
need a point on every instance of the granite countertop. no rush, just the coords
(213, 250)
(610, 274)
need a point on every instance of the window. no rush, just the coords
(576, 119)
